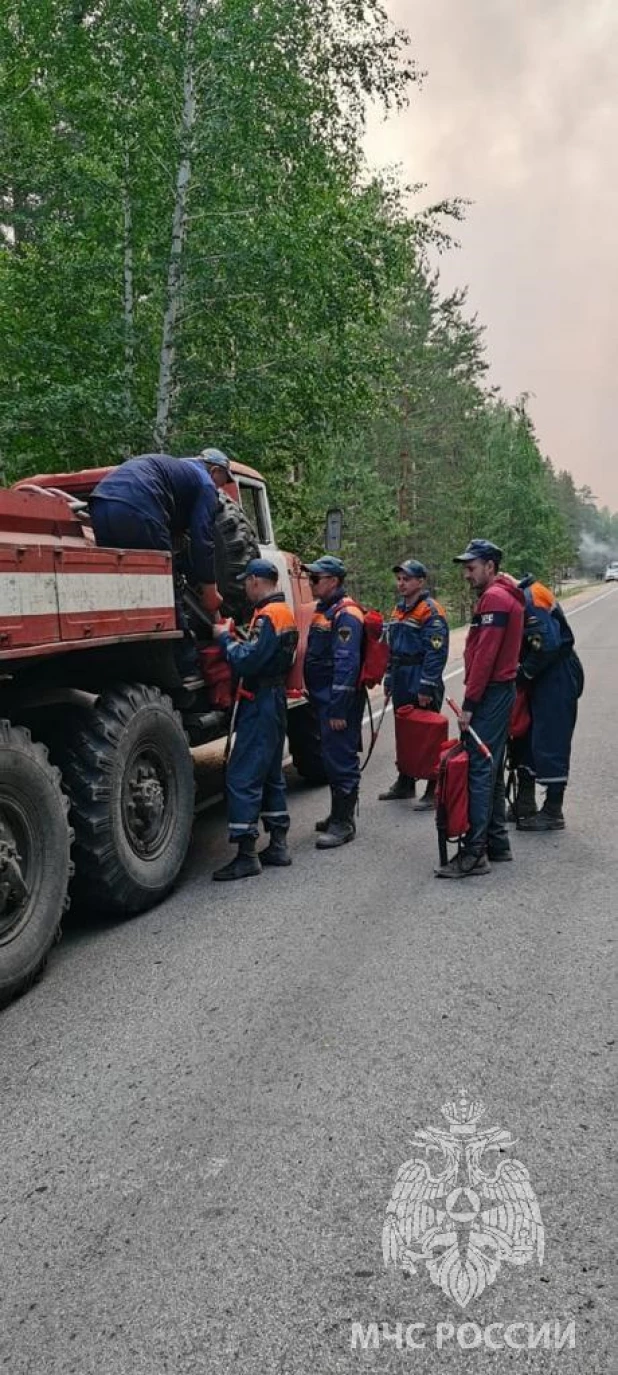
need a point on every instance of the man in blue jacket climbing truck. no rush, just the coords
(254, 779)
(491, 657)
(332, 668)
(553, 677)
(151, 502)
(418, 650)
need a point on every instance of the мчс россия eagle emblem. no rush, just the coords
(460, 1208)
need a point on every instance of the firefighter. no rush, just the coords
(254, 781)
(332, 667)
(418, 650)
(553, 677)
(151, 502)
(491, 658)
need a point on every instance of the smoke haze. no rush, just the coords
(519, 113)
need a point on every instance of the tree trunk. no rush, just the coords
(179, 232)
(129, 300)
(404, 456)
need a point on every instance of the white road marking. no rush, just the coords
(594, 601)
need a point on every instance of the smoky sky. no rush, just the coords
(519, 113)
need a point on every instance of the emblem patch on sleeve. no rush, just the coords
(436, 641)
(345, 634)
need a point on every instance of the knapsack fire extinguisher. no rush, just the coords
(452, 804)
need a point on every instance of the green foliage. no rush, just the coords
(284, 260)
(186, 213)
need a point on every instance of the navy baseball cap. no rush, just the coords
(326, 567)
(479, 549)
(260, 568)
(411, 569)
(215, 458)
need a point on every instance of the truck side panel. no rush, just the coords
(28, 596)
(114, 592)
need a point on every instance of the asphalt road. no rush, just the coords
(204, 1110)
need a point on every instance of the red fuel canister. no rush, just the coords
(419, 737)
(217, 676)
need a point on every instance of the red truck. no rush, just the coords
(97, 780)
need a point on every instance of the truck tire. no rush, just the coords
(304, 742)
(35, 862)
(129, 776)
(235, 544)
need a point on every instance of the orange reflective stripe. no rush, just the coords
(348, 604)
(321, 621)
(421, 612)
(278, 613)
(541, 596)
(426, 609)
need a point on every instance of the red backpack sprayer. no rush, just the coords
(452, 815)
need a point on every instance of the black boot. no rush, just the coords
(246, 864)
(426, 802)
(401, 790)
(276, 852)
(323, 826)
(341, 827)
(550, 817)
(525, 800)
(464, 865)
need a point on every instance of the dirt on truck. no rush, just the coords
(97, 784)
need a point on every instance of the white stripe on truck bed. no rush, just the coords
(41, 594)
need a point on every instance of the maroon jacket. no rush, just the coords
(493, 645)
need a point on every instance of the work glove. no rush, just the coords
(211, 598)
(223, 628)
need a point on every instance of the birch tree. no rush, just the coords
(179, 232)
(193, 252)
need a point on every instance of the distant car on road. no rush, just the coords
(611, 572)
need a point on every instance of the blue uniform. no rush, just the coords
(418, 638)
(149, 501)
(254, 780)
(332, 668)
(553, 675)
(491, 656)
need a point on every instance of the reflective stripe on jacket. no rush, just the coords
(418, 640)
(547, 634)
(334, 654)
(270, 651)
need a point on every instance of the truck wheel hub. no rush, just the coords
(144, 803)
(13, 888)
